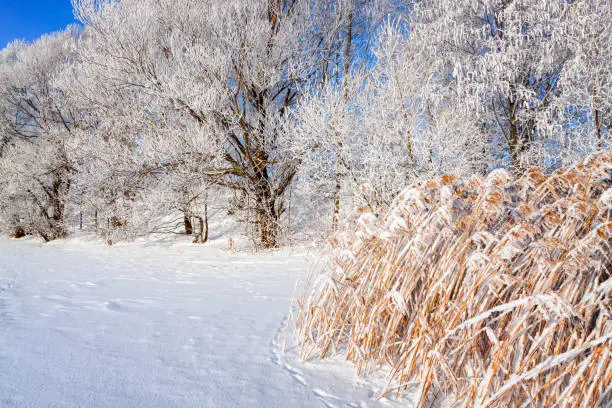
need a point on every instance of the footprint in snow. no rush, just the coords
(322, 394)
(297, 375)
(114, 306)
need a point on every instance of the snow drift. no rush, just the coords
(490, 292)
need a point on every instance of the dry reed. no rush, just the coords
(491, 292)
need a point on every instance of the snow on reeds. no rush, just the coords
(492, 292)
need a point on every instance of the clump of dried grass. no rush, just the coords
(494, 292)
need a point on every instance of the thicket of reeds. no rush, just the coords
(492, 292)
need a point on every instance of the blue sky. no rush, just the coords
(29, 19)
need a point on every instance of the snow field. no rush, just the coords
(156, 325)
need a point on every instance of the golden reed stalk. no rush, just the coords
(491, 292)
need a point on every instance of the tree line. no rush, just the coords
(288, 114)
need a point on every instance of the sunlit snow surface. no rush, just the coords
(157, 325)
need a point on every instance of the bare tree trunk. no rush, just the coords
(337, 189)
(59, 191)
(598, 126)
(289, 209)
(597, 119)
(188, 225)
(202, 235)
(205, 217)
(347, 64)
(514, 139)
(198, 237)
(266, 216)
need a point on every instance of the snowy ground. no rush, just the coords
(156, 325)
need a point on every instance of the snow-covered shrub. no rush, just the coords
(493, 292)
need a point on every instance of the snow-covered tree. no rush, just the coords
(234, 67)
(514, 65)
(36, 122)
(460, 87)
(587, 76)
(345, 102)
(394, 126)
